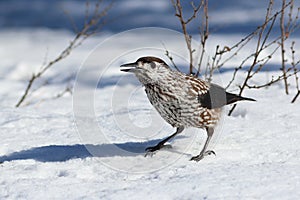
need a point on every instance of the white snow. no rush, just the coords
(91, 146)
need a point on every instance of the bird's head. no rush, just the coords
(147, 69)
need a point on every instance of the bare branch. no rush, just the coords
(188, 38)
(296, 96)
(211, 68)
(204, 33)
(259, 48)
(243, 42)
(170, 58)
(90, 27)
(262, 44)
(266, 45)
(273, 80)
(283, 37)
(294, 67)
(195, 11)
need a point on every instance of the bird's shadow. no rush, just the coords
(61, 153)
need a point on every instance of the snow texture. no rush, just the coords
(90, 145)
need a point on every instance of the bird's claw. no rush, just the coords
(209, 152)
(201, 155)
(150, 151)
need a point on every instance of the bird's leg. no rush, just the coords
(150, 150)
(203, 152)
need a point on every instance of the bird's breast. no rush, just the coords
(180, 109)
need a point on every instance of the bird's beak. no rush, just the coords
(129, 67)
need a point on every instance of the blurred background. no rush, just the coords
(225, 16)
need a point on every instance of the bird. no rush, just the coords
(181, 100)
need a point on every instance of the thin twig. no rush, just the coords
(195, 11)
(188, 38)
(212, 67)
(279, 78)
(283, 38)
(269, 19)
(89, 28)
(167, 53)
(259, 48)
(294, 67)
(204, 33)
(296, 96)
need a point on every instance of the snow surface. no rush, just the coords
(41, 151)
(91, 145)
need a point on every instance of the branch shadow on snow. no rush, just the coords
(61, 153)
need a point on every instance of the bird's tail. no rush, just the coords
(232, 98)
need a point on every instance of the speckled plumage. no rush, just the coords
(177, 101)
(181, 100)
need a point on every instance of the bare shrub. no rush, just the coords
(266, 45)
(93, 22)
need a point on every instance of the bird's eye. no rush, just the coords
(152, 64)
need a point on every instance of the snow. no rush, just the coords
(90, 145)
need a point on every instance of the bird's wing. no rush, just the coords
(208, 95)
(215, 97)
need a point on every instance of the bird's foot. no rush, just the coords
(150, 151)
(201, 155)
